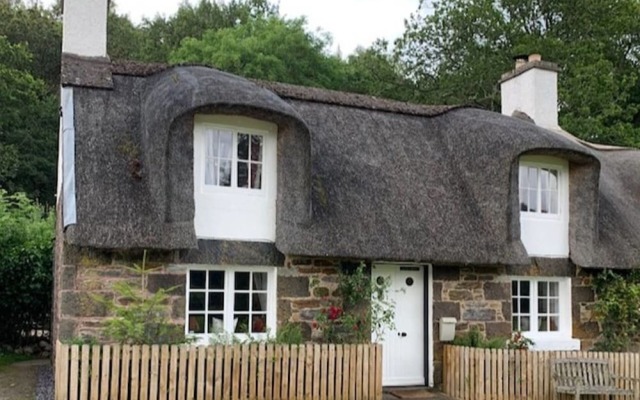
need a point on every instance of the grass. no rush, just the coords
(7, 359)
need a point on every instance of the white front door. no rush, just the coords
(403, 347)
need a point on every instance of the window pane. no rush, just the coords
(553, 306)
(542, 324)
(243, 146)
(212, 144)
(554, 324)
(259, 323)
(514, 288)
(553, 202)
(514, 306)
(524, 324)
(216, 323)
(524, 288)
(533, 178)
(256, 148)
(225, 173)
(242, 326)
(216, 301)
(259, 281)
(226, 145)
(524, 200)
(196, 323)
(243, 175)
(554, 288)
(216, 279)
(524, 306)
(259, 302)
(542, 288)
(523, 177)
(553, 179)
(211, 172)
(544, 179)
(197, 279)
(256, 176)
(241, 302)
(196, 301)
(544, 198)
(542, 306)
(533, 200)
(514, 324)
(242, 280)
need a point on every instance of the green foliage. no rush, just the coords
(456, 50)
(519, 342)
(6, 359)
(140, 317)
(365, 312)
(271, 49)
(26, 267)
(616, 309)
(475, 338)
(28, 127)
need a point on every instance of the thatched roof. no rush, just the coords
(359, 177)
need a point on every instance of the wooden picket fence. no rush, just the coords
(497, 374)
(233, 372)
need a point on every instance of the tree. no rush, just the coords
(28, 127)
(160, 36)
(271, 48)
(456, 50)
(26, 261)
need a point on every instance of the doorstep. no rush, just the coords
(413, 393)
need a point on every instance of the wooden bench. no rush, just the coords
(578, 376)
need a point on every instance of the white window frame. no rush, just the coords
(549, 340)
(230, 212)
(229, 291)
(543, 234)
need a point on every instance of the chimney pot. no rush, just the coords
(535, 57)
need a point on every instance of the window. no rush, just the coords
(238, 300)
(544, 204)
(541, 309)
(235, 178)
(538, 190)
(233, 159)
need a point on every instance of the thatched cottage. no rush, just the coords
(242, 188)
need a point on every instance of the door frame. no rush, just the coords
(427, 320)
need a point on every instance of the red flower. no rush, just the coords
(314, 325)
(334, 313)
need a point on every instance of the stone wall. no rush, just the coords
(305, 286)
(84, 275)
(481, 297)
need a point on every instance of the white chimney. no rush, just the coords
(532, 88)
(84, 31)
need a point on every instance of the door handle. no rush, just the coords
(402, 334)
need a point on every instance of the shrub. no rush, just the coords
(617, 310)
(143, 318)
(475, 338)
(26, 266)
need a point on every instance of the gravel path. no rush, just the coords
(19, 381)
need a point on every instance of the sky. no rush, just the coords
(351, 23)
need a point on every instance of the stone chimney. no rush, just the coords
(532, 88)
(84, 31)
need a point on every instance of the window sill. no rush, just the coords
(555, 344)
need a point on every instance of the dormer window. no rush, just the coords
(543, 184)
(234, 178)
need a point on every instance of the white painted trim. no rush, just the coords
(68, 157)
(431, 331)
(272, 303)
(231, 213)
(547, 235)
(563, 338)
